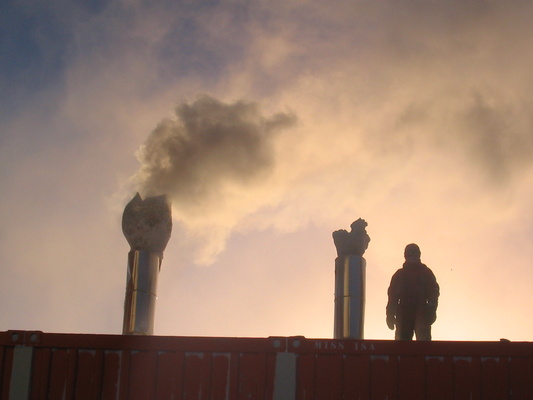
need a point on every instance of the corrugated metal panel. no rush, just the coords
(3, 371)
(67, 366)
(336, 369)
(7, 362)
(128, 367)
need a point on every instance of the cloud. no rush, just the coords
(414, 115)
(386, 95)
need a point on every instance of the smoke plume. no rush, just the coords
(205, 159)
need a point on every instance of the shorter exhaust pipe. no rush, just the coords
(350, 277)
(350, 285)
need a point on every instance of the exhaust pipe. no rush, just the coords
(350, 278)
(147, 225)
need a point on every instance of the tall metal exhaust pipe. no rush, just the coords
(350, 280)
(147, 225)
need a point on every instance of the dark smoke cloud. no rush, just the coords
(491, 133)
(498, 137)
(207, 146)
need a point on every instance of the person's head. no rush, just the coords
(412, 252)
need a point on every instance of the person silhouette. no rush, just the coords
(413, 298)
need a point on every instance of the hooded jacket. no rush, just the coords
(413, 288)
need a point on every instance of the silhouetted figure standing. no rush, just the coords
(413, 298)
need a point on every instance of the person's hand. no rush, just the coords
(391, 321)
(431, 316)
(431, 313)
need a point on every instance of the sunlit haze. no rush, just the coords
(270, 124)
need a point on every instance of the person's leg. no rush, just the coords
(405, 326)
(422, 330)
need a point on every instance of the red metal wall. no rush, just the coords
(69, 366)
(330, 369)
(140, 367)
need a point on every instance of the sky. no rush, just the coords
(270, 124)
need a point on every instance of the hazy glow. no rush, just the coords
(414, 116)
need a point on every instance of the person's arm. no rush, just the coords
(392, 304)
(433, 293)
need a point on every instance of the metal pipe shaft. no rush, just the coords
(141, 292)
(350, 276)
